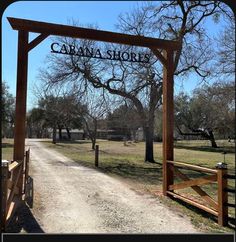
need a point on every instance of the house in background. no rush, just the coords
(75, 134)
(106, 134)
(139, 134)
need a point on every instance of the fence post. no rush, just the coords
(27, 155)
(222, 194)
(96, 155)
(27, 164)
(5, 177)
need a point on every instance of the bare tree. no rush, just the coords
(58, 109)
(226, 45)
(96, 109)
(208, 111)
(141, 83)
(182, 21)
(7, 111)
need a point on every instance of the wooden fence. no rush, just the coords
(14, 178)
(218, 206)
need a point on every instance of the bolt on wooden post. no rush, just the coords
(96, 155)
(222, 195)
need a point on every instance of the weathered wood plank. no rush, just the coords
(14, 165)
(12, 208)
(13, 191)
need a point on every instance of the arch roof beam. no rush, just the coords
(92, 34)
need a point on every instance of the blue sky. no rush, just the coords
(104, 14)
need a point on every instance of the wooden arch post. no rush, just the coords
(168, 119)
(167, 59)
(21, 94)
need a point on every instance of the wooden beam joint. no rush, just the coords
(158, 54)
(36, 41)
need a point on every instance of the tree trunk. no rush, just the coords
(212, 139)
(149, 144)
(30, 132)
(93, 144)
(54, 134)
(68, 133)
(60, 134)
(94, 138)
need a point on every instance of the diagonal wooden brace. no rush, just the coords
(36, 41)
(158, 54)
(197, 189)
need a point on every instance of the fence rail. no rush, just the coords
(219, 176)
(228, 176)
(12, 194)
(192, 167)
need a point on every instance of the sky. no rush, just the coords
(102, 13)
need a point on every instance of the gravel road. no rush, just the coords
(70, 198)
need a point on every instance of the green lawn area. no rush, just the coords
(127, 163)
(7, 149)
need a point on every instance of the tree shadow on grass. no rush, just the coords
(7, 145)
(206, 148)
(70, 142)
(148, 175)
(231, 221)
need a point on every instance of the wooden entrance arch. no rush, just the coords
(24, 27)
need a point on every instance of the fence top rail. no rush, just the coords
(193, 167)
(14, 165)
(230, 176)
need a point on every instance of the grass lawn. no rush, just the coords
(127, 163)
(7, 149)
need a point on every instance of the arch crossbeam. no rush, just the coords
(92, 34)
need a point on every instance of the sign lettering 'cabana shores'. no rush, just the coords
(97, 53)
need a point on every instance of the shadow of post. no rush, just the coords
(23, 218)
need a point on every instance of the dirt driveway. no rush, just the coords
(70, 198)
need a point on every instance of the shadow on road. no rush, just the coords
(23, 219)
